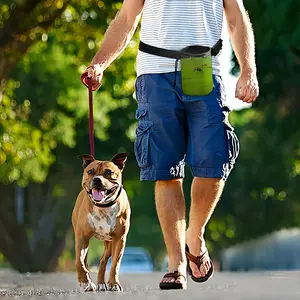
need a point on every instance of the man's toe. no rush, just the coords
(196, 272)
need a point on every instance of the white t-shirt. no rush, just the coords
(176, 24)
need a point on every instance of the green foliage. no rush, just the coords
(262, 193)
(25, 153)
(44, 123)
(49, 77)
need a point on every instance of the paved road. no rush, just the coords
(263, 285)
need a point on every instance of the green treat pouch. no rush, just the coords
(196, 71)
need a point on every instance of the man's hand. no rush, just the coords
(242, 38)
(247, 88)
(95, 72)
(116, 38)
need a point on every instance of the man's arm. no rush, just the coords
(242, 38)
(116, 38)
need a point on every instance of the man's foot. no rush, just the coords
(200, 266)
(174, 280)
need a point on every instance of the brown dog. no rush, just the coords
(101, 210)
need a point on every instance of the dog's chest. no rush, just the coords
(103, 222)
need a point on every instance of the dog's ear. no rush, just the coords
(87, 159)
(119, 160)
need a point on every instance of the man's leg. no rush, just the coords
(212, 149)
(160, 149)
(170, 207)
(205, 193)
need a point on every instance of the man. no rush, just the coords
(175, 128)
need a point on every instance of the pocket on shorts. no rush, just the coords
(141, 144)
(141, 111)
(140, 89)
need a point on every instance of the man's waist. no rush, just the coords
(193, 50)
(147, 63)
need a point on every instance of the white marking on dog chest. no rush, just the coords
(103, 221)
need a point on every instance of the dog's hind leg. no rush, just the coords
(118, 246)
(84, 278)
(101, 285)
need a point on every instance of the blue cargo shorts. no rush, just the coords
(174, 129)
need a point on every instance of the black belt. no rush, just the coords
(178, 54)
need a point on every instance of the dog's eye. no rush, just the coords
(91, 171)
(108, 172)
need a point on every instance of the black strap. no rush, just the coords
(159, 51)
(173, 53)
(217, 47)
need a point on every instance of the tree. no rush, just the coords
(44, 120)
(16, 37)
(262, 193)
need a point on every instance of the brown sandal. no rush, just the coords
(198, 260)
(173, 285)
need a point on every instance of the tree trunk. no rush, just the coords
(17, 36)
(13, 239)
(32, 246)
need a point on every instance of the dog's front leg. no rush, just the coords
(101, 285)
(118, 245)
(84, 278)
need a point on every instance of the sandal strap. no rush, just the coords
(198, 260)
(174, 275)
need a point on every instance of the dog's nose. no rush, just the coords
(96, 180)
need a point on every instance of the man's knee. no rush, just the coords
(170, 182)
(208, 187)
(210, 181)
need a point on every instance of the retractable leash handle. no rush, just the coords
(87, 81)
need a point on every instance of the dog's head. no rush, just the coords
(102, 179)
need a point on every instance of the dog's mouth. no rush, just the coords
(99, 195)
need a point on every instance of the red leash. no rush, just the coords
(91, 118)
(87, 81)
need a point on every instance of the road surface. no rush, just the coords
(260, 285)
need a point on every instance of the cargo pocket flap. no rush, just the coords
(143, 127)
(141, 111)
(141, 145)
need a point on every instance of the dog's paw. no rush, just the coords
(87, 286)
(116, 287)
(102, 287)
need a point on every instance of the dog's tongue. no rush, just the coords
(98, 194)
